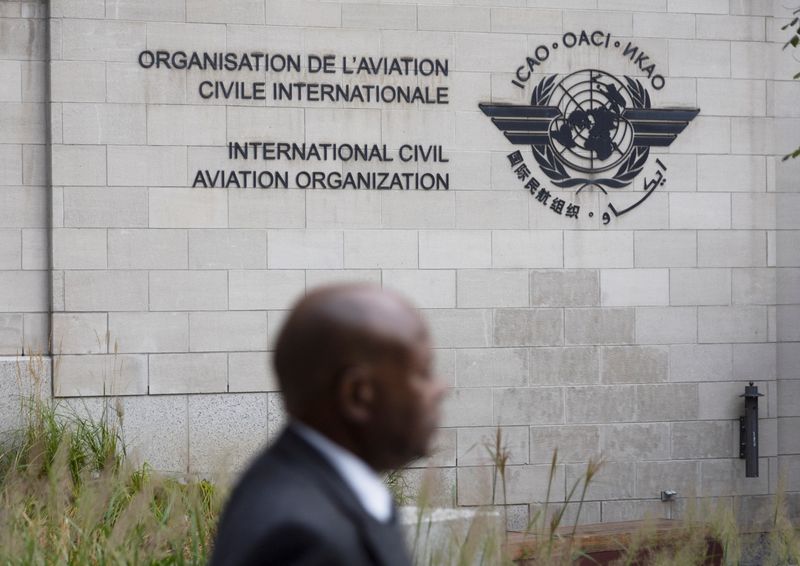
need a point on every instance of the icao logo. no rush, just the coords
(589, 129)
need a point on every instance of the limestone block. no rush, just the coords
(474, 133)
(788, 207)
(77, 9)
(715, 62)
(128, 82)
(101, 207)
(245, 123)
(303, 13)
(788, 467)
(636, 441)
(735, 248)
(185, 125)
(703, 439)
(709, 286)
(739, 28)
(700, 362)
(737, 97)
(726, 477)
(528, 327)
(477, 446)
(101, 40)
(64, 87)
(394, 249)
(527, 248)
(482, 52)
(532, 20)
(571, 443)
(671, 248)
(455, 249)
(599, 326)
(21, 378)
(11, 335)
(667, 402)
(249, 12)
(755, 286)
(86, 123)
(148, 332)
(305, 249)
(787, 244)
(188, 373)
(417, 209)
(36, 333)
(704, 7)
(23, 38)
(147, 249)
(634, 364)
(251, 371)
(467, 407)
(453, 18)
(616, 511)
(261, 289)
(682, 168)
(106, 375)
(570, 288)
(142, 166)
(185, 36)
(427, 288)
(227, 249)
(483, 209)
(492, 367)
(400, 127)
(699, 210)
(492, 288)
(267, 209)
(319, 277)
(444, 366)
(672, 26)
(631, 5)
(24, 291)
(633, 287)
(10, 164)
(188, 208)
(787, 323)
(731, 173)
(226, 431)
(75, 333)
(601, 404)
(565, 366)
(79, 165)
(706, 134)
(35, 248)
(10, 248)
(783, 95)
(523, 405)
(142, 10)
(105, 290)
(524, 484)
(732, 324)
(34, 165)
(11, 79)
(79, 248)
(188, 290)
(614, 480)
(355, 209)
(227, 331)
(788, 435)
(155, 430)
(654, 477)
(755, 361)
(749, 60)
(593, 249)
(460, 328)
(757, 135)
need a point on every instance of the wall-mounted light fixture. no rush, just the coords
(748, 430)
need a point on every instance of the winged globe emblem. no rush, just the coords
(591, 128)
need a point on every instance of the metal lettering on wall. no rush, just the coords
(352, 80)
(589, 129)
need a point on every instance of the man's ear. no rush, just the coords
(356, 394)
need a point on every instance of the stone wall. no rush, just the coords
(632, 338)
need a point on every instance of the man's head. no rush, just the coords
(355, 362)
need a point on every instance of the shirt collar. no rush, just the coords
(362, 480)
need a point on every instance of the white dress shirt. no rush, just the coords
(362, 480)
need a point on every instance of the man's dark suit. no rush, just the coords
(292, 508)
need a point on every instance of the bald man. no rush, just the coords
(354, 364)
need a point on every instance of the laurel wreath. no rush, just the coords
(554, 169)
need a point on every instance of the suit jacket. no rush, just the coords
(292, 508)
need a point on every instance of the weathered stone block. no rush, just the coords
(491, 367)
(567, 288)
(188, 373)
(599, 326)
(634, 364)
(148, 332)
(601, 404)
(667, 402)
(528, 327)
